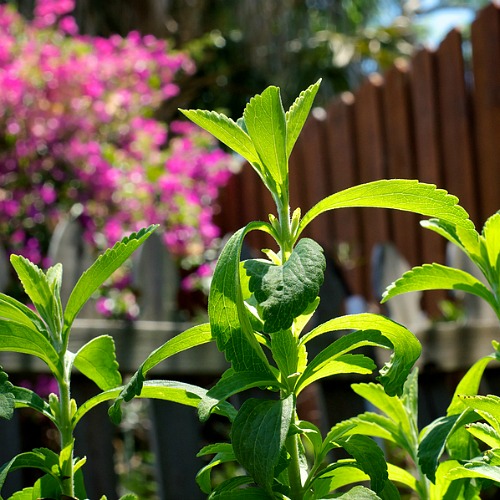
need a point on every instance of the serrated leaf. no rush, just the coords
(468, 385)
(14, 310)
(438, 277)
(258, 436)
(393, 407)
(297, 115)
(223, 454)
(265, 121)
(231, 383)
(477, 470)
(486, 433)
(39, 458)
(105, 265)
(225, 130)
(406, 347)
(487, 406)
(197, 335)
(491, 239)
(7, 398)
(359, 493)
(288, 354)
(36, 286)
(340, 365)
(167, 390)
(284, 292)
(369, 457)
(434, 438)
(12, 397)
(400, 194)
(97, 361)
(229, 319)
(16, 337)
(465, 238)
(228, 490)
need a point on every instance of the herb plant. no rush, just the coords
(258, 312)
(45, 333)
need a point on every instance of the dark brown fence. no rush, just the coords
(435, 118)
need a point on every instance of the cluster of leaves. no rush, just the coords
(78, 133)
(258, 313)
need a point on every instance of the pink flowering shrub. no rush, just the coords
(78, 132)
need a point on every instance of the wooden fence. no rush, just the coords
(435, 118)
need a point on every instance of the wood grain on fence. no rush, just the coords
(434, 118)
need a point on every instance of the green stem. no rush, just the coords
(292, 446)
(66, 433)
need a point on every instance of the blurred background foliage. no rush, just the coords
(240, 47)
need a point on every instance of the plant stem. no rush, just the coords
(66, 433)
(294, 473)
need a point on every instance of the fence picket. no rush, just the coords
(456, 127)
(486, 56)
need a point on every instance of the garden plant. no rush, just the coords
(258, 315)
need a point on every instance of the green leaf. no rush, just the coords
(465, 238)
(438, 277)
(7, 398)
(468, 385)
(229, 319)
(37, 287)
(12, 397)
(39, 458)
(486, 433)
(101, 270)
(226, 131)
(297, 114)
(284, 292)
(258, 436)
(167, 390)
(359, 493)
(491, 238)
(232, 383)
(487, 406)
(402, 476)
(197, 335)
(97, 361)
(475, 470)
(17, 337)
(223, 454)
(266, 124)
(406, 347)
(340, 365)
(369, 457)
(398, 422)
(434, 438)
(400, 194)
(19, 313)
(290, 357)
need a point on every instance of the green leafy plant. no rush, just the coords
(258, 312)
(468, 435)
(45, 333)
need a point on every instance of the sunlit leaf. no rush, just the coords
(265, 121)
(97, 361)
(297, 114)
(284, 292)
(101, 270)
(400, 194)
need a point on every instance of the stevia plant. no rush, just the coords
(258, 312)
(45, 333)
(469, 433)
